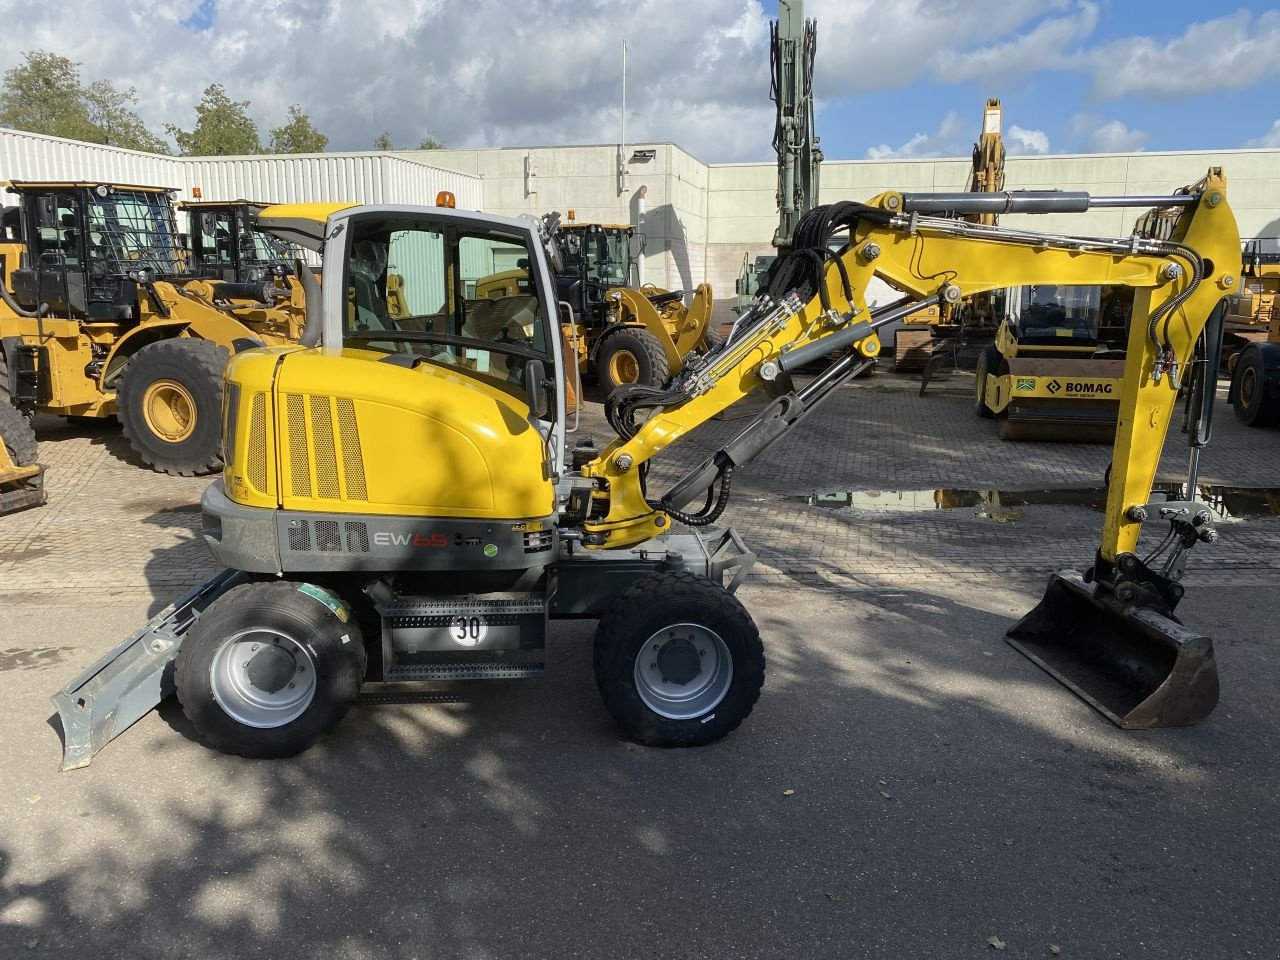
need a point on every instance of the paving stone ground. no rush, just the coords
(907, 786)
(112, 528)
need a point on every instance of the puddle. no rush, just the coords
(1003, 506)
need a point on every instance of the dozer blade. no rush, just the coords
(131, 680)
(1137, 667)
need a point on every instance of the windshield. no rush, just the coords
(258, 248)
(453, 295)
(128, 229)
(1056, 311)
(604, 253)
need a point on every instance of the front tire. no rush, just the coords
(678, 661)
(17, 436)
(631, 355)
(270, 668)
(170, 405)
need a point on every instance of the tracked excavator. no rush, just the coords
(400, 502)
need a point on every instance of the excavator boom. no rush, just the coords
(1180, 279)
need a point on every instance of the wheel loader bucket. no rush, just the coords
(131, 680)
(1137, 667)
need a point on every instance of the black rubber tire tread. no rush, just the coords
(710, 340)
(988, 360)
(655, 371)
(1264, 411)
(340, 667)
(638, 613)
(6, 394)
(18, 437)
(198, 365)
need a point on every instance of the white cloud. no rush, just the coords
(471, 74)
(1229, 53)
(948, 140)
(1269, 139)
(1051, 43)
(1107, 136)
(1021, 141)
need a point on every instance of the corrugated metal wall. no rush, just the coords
(32, 156)
(355, 177)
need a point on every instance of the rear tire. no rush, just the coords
(678, 661)
(1251, 403)
(269, 669)
(631, 355)
(988, 360)
(18, 437)
(170, 405)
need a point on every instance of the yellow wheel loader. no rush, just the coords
(400, 503)
(623, 334)
(99, 317)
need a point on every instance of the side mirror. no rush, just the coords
(535, 375)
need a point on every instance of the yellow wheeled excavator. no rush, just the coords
(399, 502)
(100, 316)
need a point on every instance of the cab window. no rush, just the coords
(450, 294)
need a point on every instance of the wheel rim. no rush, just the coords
(624, 367)
(263, 678)
(169, 410)
(683, 671)
(1248, 386)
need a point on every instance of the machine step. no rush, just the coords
(479, 670)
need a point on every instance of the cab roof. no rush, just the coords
(202, 204)
(21, 186)
(305, 223)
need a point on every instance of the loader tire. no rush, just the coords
(1251, 401)
(18, 437)
(170, 405)
(988, 360)
(631, 355)
(270, 668)
(678, 661)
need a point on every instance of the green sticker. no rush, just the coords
(328, 599)
(1026, 383)
(490, 550)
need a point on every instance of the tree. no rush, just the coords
(299, 135)
(110, 112)
(44, 95)
(222, 129)
(383, 141)
(431, 143)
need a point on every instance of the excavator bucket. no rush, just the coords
(1138, 667)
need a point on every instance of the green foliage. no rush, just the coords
(383, 141)
(223, 128)
(431, 143)
(299, 135)
(44, 94)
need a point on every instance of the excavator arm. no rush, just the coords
(816, 306)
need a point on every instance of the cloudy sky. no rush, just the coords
(904, 78)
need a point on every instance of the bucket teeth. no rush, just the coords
(1136, 666)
